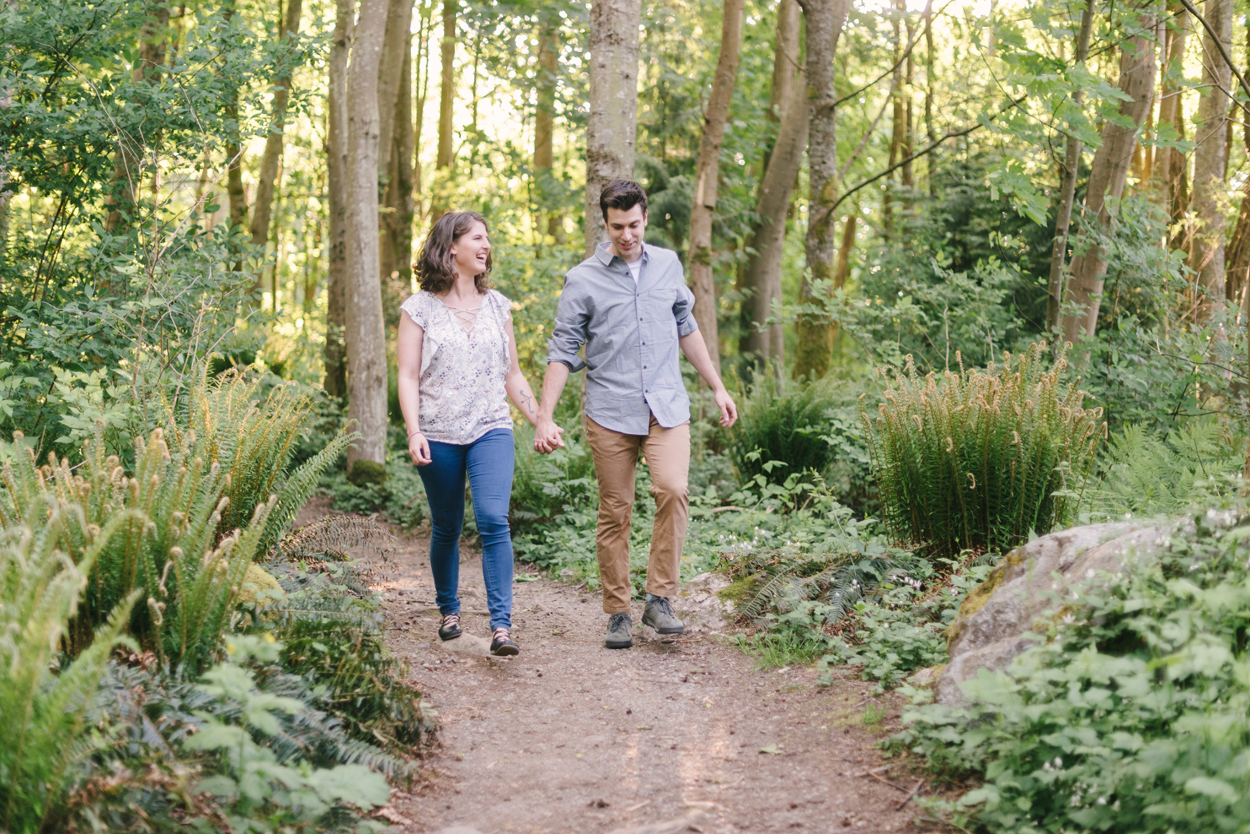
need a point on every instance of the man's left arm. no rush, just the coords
(695, 349)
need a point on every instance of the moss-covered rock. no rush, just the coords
(366, 472)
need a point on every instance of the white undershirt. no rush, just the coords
(634, 269)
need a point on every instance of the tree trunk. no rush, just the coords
(909, 118)
(785, 56)
(707, 174)
(612, 121)
(761, 275)
(1207, 256)
(844, 259)
(1237, 259)
(446, 114)
(366, 337)
(396, 49)
(1067, 185)
(897, 126)
(421, 93)
(1107, 174)
(271, 159)
(825, 19)
(336, 172)
(544, 127)
(930, 133)
(127, 174)
(1169, 167)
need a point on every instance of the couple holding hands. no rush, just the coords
(629, 305)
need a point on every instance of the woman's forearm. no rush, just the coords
(522, 396)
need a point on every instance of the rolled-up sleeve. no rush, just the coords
(683, 312)
(572, 317)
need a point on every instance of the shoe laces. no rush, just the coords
(501, 634)
(451, 621)
(664, 605)
(617, 619)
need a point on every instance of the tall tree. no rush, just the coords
(612, 122)
(446, 113)
(707, 176)
(396, 49)
(1207, 255)
(421, 94)
(271, 158)
(366, 337)
(761, 275)
(1169, 167)
(1108, 171)
(399, 201)
(544, 123)
(1237, 260)
(1067, 182)
(124, 192)
(898, 121)
(824, 19)
(335, 354)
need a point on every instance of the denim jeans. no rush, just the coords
(488, 463)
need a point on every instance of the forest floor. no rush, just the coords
(676, 734)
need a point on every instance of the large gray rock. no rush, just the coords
(1030, 587)
(700, 604)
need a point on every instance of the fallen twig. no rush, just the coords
(899, 788)
(906, 799)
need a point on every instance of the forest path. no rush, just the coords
(664, 738)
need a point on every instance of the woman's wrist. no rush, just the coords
(412, 434)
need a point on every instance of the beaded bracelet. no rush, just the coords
(418, 431)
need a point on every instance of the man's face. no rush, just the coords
(625, 230)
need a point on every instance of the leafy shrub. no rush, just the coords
(173, 542)
(44, 713)
(806, 427)
(982, 459)
(1130, 716)
(1149, 475)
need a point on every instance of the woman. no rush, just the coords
(457, 367)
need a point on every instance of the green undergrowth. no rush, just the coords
(1131, 714)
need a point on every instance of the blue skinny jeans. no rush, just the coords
(488, 463)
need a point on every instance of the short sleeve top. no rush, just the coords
(462, 371)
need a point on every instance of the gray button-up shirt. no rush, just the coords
(630, 333)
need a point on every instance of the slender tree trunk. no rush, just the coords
(403, 184)
(1067, 185)
(785, 56)
(396, 51)
(844, 259)
(271, 159)
(127, 173)
(1237, 259)
(930, 133)
(366, 337)
(761, 275)
(336, 173)
(1169, 167)
(898, 127)
(707, 174)
(825, 19)
(1207, 256)
(422, 93)
(909, 118)
(611, 124)
(446, 114)
(544, 126)
(1107, 175)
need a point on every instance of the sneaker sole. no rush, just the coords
(506, 651)
(618, 645)
(449, 636)
(679, 630)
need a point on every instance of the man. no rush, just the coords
(629, 305)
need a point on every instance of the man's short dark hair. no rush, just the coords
(622, 195)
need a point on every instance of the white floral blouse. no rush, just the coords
(462, 371)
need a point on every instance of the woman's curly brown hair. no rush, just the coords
(435, 266)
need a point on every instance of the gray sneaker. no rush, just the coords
(659, 615)
(619, 628)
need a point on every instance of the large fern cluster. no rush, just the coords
(981, 459)
(205, 497)
(43, 713)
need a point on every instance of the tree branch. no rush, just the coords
(1219, 44)
(911, 44)
(927, 149)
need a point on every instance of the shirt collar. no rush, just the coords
(605, 255)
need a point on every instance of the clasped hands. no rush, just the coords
(547, 436)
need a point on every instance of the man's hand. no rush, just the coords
(547, 436)
(728, 411)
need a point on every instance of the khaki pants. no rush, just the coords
(616, 458)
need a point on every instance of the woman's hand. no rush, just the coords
(419, 449)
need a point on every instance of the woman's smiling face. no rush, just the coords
(471, 249)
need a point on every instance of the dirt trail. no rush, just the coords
(663, 738)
